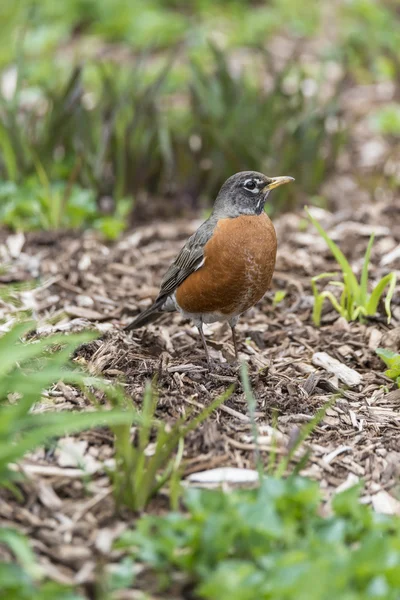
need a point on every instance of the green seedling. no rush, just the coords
(355, 301)
(279, 296)
(391, 360)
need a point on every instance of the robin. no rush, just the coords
(226, 266)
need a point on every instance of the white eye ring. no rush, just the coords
(248, 182)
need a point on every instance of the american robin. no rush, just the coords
(226, 266)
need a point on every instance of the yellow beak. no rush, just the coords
(276, 182)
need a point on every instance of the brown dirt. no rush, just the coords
(85, 282)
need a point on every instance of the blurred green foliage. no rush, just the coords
(32, 205)
(270, 543)
(387, 120)
(23, 580)
(102, 101)
(370, 39)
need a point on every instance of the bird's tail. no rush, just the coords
(147, 316)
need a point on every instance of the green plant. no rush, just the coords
(62, 165)
(278, 297)
(391, 360)
(83, 138)
(369, 39)
(239, 123)
(32, 205)
(28, 368)
(142, 467)
(25, 579)
(270, 543)
(355, 301)
(386, 120)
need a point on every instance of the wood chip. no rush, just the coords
(15, 243)
(384, 503)
(347, 375)
(48, 497)
(224, 475)
(84, 313)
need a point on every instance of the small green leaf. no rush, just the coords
(279, 296)
(388, 280)
(338, 254)
(389, 357)
(364, 273)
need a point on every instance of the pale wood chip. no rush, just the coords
(48, 497)
(347, 375)
(84, 313)
(386, 504)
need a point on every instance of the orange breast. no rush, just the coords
(238, 267)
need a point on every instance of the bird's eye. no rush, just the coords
(251, 185)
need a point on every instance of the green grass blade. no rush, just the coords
(43, 427)
(318, 307)
(15, 353)
(9, 155)
(303, 435)
(339, 256)
(364, 273)
(389, 295)
(318, 297)
(21, 549)
(372, 306)
(251, 403)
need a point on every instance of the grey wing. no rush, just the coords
(188, 260)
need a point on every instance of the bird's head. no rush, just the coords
(245, 193)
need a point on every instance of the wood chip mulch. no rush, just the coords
(82, 282)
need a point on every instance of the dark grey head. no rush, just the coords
(245, 193)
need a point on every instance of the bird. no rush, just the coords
(226, 266)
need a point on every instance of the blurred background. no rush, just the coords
(113, 111)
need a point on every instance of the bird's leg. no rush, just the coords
(233, 323)
(234, 339)
(203, 339)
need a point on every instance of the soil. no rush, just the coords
(82, 282)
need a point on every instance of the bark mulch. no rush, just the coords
(68, 509)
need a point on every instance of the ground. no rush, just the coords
(70, 517)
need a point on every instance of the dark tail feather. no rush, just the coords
(147, 316)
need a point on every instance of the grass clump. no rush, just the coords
(355, 302)
(104, 135)
(271, 543)
(145, 464)
(239, 123)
